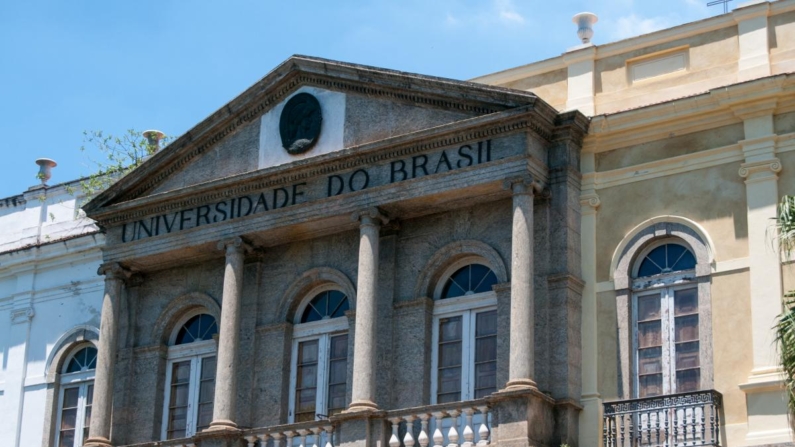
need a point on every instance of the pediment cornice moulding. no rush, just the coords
(300, 71)
(718, 107)
(522, 119)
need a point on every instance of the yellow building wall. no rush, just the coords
(713, 197)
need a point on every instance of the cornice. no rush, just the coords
(504, 123)
(298, 71)
(718, 107)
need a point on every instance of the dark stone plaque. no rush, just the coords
(299, 125)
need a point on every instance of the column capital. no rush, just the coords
(590, 202)
(759, 171)
(114, 270)
(234, 244)
(370, 216)
(524, 184)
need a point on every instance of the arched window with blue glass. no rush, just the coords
(666, 319)
(319, 379)
(76, 396)
(190, 376)
(464, 358)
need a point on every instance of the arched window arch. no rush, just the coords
(319, 367)
(662, 279)
(190, 375)
(76, 395)
(464, 357)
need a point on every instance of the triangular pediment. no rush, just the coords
(357, 105)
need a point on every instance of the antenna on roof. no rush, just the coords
(718, 2)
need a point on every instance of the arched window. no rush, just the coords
(666, 320)
(464, 361)
(77, 392)
(319, 378)
(190, 375)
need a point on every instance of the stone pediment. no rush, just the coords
(358, 105)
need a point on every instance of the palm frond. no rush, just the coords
(785, 224)
(785, 339)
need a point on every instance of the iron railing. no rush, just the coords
(675, 420)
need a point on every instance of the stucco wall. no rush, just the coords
(693, 195)
(781, 35)
(552, 87)
(712, 62)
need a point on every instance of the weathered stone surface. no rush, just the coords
(434, 159)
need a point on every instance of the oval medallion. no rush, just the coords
(299, 124)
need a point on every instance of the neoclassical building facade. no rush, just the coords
(577, 251)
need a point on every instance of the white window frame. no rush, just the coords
(194, 352)
(468, 307)
(81, 380)
(666, 286)
(323, 331)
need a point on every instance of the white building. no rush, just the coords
(50, 297)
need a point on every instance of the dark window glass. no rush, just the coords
(206, 393)
(667, 258)
(329, 304)
(199, 328)
(84, 360)
(485, 353)
(469, 280)
(178, 401)
(306, 383)
(338, 373)
(449, 374)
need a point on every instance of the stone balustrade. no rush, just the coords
(302, 434)
(458, 424)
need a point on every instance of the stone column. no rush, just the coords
(228, 336)
(99, 431)
(522, 347)
(363, 396)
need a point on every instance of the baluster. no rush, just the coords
(621, 428)
(302, 433)
(316, 436)
(290, 435)
(712, 410)
(263, 440)
(469, 435)
(452, 435)
(717, 425)
(329, 429)
(667, 439)
(423, 437)
(483, 431)
(408, 440)
(694, 424)
(438, 437)
(657, 424)
(277, 440)
(676, 426)
(394, 441)
(703, 423)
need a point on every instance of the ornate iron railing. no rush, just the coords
(675, 420)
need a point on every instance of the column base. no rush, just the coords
(520, 384)
(98, 442)
(222, 425)
(361, 406)
(590, 423)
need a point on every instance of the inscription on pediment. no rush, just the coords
(429, 164)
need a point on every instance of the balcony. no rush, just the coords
(676, 420)
(457, 424)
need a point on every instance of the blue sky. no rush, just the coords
(70, 66)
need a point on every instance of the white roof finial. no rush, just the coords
(585, 21)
